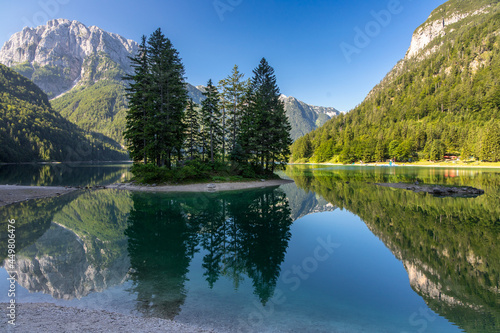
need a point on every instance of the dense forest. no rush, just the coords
(31, 131)
(244, 123)
(445, 102)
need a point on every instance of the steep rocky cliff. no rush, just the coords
(63, 53)
(434, 28)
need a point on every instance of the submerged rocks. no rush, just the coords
(438, 190)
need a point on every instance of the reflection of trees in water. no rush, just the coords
(161, 244)
(248, 234)
(83, 252)
(244, 233)
(63, 174)
(33, 219)
(448, 245)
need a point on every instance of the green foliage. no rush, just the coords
(458, 7)
(157, 128)
(96, 104)
(44, 76)
(198, 171)
(212, 134)
(431, 106)
(265, 129)
(31, 131)
(157, 98)
(193, 134)
(232, 95)
(100, 107)
(25, 69)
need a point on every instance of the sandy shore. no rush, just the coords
(45, 317)
(10, 194)
(213, 187)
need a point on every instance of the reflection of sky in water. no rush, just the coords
(360, 286)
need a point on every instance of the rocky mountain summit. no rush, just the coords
(59, 55)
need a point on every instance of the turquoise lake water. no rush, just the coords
(332, 252)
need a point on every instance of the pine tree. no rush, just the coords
(232, 93)
(169, 96)
(136, 131)
(211, 118)
(265, 127)
(192, 129)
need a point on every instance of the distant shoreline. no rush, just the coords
(401, 164)
(201, 187)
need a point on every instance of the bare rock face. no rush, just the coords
(62, 52)
(425, 34)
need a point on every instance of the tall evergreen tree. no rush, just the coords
(169, 96)
(233, 91)
(192, 129)
(136, 130)
(265, 129)
(211, 118)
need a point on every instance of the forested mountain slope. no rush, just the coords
(30, 130)
(442, 98)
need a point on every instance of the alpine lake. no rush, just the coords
(332, 252)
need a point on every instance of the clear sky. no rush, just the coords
(314, 45)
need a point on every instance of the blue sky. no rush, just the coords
(311, 44)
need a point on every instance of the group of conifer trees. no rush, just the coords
(240, 121)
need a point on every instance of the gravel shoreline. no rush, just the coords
(46, 317)
(213, 187)
(10, 194)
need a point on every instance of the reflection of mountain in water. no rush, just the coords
(33, 219)
(303, 203)
(447, 245)
(57, 264)
(85, 251)
(238, 234)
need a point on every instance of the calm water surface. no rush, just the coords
(331, 253)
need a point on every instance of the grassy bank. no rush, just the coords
(199, 172)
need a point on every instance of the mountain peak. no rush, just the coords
(65, 52)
